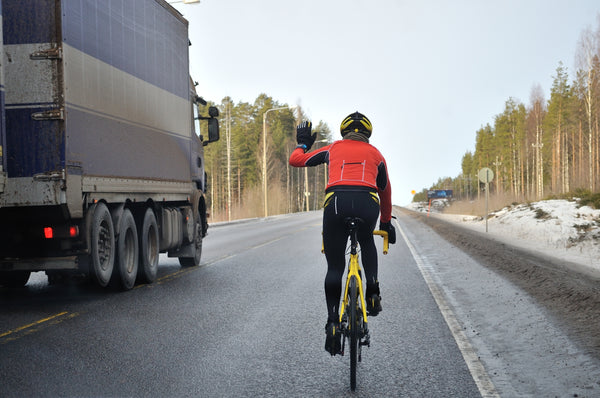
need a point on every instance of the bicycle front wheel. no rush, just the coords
(354, 330)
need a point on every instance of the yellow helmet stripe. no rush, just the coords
(347, 121)
(367, 125)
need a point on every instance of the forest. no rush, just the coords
(546, 148)
(549, 147)
(239, 170)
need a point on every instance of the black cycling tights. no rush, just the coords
(340, 205)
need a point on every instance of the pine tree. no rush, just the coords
(557, 122)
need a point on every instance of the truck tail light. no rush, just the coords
(48, 233)
(70, 232)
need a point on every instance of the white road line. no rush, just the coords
(478, 372)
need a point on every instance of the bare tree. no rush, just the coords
(585, 58)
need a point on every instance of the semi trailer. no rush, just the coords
(101, 152)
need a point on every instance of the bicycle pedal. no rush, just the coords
(366, 341)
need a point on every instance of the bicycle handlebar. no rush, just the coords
(386, 243)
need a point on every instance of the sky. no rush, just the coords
(428, 74)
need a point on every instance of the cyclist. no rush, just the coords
(358, 181)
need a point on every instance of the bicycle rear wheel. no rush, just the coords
(354, 330)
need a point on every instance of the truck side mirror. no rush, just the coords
(213, 130)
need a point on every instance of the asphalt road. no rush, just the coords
(250, 322)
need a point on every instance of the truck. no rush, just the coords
(101, 156)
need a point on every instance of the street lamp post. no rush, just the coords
(264, 160)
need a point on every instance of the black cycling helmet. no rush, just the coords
(356, 122)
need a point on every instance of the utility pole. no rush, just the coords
(287, 182)
(497, 164)
(228, 136)
(539, 169)
(306, 192)
(212, 193)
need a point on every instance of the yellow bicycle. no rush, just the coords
(353, 314)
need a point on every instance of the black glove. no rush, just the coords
(389, 228)
(304, 136)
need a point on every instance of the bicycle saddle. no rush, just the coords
(353, 222)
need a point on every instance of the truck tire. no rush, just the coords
(102, 238)
(149, 248)
(197, 247)
(14, 278)
(126, 260)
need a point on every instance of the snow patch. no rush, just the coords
(555, 227)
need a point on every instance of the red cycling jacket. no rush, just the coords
(351, 163)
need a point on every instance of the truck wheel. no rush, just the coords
(194, 261)
(102, 245)
(14, 278)
(149, 248)
(126, 260)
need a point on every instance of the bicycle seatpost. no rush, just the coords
(352, 225)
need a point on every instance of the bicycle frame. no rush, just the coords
(355, 270)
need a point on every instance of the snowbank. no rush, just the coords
(555, 227)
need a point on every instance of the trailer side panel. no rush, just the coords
(128, 90)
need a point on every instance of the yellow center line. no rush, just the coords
(33, 324)
(174, 275)
(265, 243)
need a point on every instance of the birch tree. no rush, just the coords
(586, 57)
